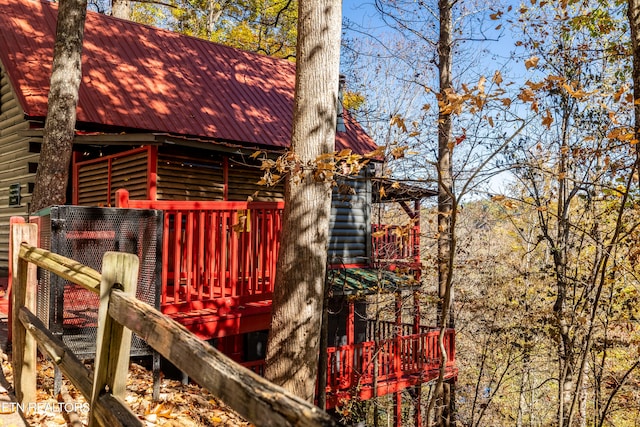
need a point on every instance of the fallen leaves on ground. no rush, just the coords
(179, 405)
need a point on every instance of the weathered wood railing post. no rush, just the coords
(13, 263)
(24, 347)
(119, 271)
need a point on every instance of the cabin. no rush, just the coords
(171, 123)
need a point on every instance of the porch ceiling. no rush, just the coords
(365, 281)
(397, 191)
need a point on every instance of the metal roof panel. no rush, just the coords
(137, 77)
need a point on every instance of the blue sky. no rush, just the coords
(357, 10)
(363, 14)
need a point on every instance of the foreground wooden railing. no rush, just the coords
(120, 313)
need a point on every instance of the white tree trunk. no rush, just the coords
(59, 129)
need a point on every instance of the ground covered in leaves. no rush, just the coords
(179, 405)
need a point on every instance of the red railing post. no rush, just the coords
(165, 260)
(209, 260)
(201, 229)
(396, 243)
(122, 198)
(397, 343)
(188, 256)
(416, 231)
(394, 358)
(177, 255)
(351, 340)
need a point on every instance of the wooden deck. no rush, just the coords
(224, 321)
(219, 261)
(218, 271)
(371, 368)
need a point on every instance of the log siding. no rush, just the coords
(15, 157)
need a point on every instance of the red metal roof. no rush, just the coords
(143, 78)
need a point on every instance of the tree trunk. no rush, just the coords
(121, 9)
(633, 13)
(445, 171)
(566, 343)
(214, 11)
(446, 206)
(292, 350)
(66, 74)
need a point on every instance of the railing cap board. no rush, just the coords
(252, 396)
(66, 268)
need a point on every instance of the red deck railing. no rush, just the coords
(398, 358)
(222, 255)
(214, 250)
(392, 364)
(396, 243)
(380, 330)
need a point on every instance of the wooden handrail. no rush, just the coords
(246, 392)
(64, 267)
(120, 313)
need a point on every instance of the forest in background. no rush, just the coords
(543, 142)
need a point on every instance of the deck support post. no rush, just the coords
(417, 390)
(397, 409)
(397, 403)
(152, 173)
(416, 312)
(351, 320)
(348, 360)
(397, 363)
(417, 394)
(416, 226)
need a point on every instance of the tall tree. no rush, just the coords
(633, 14)
(435, 32)
(262, 26)
(584, 103)
(66, 74)
(293, 345)
(578, 154)
(442, 400)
